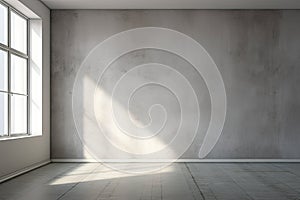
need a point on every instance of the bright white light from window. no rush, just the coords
(36, 72)
(20, 72)
(3, 70)
(18, 75)
(3, 114)
(18, 33)
(18, 114)
(3, 24)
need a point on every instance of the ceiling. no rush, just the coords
(172, 4)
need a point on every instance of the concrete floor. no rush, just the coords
(181, 181)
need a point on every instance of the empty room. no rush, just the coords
(149, 100)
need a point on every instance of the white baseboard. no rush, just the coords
(177, 161)
(22, 171)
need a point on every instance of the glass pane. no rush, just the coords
(18, 33)
(3, 70)
(18, 74)
(18, 114)
(3, 114)
(3, 24)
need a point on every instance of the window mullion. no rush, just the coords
(28, 79)
(9, 72)
(4, 47)
(9, 95)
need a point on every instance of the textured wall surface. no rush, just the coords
(257, 54)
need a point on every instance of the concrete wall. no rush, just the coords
(22, 153)
(257, 53)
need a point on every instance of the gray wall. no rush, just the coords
(257, 53)
(22, 153)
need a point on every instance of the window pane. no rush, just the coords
(3, 70)
(3, 24)
(3, 114)
(18, 74)
(18, 114)
(18, 33)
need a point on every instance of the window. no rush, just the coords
(14, 72)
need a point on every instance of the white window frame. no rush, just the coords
(11, 51)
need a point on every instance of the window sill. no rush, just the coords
(18, 137)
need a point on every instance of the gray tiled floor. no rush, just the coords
(182, 181)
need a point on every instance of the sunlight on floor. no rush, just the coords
(101, 172)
